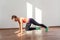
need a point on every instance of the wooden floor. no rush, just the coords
(52, 34)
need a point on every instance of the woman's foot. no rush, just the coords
(46, 29)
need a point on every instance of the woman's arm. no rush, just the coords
(21, 26)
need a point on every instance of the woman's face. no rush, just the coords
(15, 19)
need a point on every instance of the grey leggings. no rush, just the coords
(32, 21)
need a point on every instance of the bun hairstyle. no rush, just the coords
(13, 16)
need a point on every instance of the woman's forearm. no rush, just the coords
(21, 27)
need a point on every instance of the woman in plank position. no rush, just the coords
(28, 22)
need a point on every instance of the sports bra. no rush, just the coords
(24, 20)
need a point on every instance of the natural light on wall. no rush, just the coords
(29, 10)
(38, 12)
(38, 15)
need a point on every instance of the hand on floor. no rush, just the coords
(17, 31)
(20, 34)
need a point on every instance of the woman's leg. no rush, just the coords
(36, 23)
(28, 27)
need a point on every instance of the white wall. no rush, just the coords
(50, 10)
(9, 8)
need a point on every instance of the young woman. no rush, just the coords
(28, 22)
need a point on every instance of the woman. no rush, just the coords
(28, 22)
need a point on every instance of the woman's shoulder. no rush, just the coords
(23, 18)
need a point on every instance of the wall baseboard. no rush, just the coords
(8, 28)
(18, 28)
(54, 26)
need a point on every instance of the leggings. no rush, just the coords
(32, 21)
